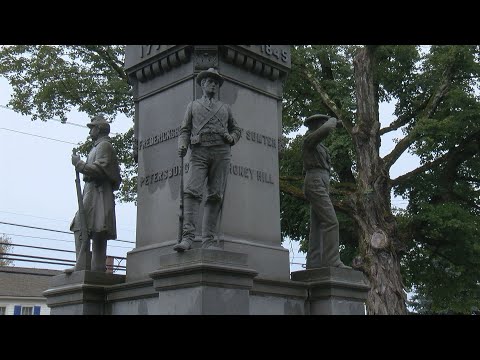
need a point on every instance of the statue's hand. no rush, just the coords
(228, 138)
(182, 151)
(331, 123)
(339, 123)
(75, 159)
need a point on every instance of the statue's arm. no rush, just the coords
(312, 139)
(233, 128)
(103, 159)
(186, 128)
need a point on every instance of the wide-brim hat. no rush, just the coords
(210, 73)
(97, 120)
(315, 117)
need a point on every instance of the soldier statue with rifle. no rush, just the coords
(210, 131)
(95, 218)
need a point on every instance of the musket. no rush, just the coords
(181, 216)
(83, 257)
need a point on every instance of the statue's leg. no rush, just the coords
(209, 225)
(83, 256)
(324, 226)
(216, 185)
(314, 253)
(193, 197)
(191, 206)
(99, 253)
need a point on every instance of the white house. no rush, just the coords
(21, 290)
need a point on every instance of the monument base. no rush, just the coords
(204, 282)
(269, 261)
(334, 291)
(209, 282)
(80, 292)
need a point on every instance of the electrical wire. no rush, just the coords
(60, 231)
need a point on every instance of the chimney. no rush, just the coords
(109, 264)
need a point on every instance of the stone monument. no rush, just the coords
(164, 82)
(248, 270)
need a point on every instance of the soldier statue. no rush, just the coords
(101, 174)
(323, 245)
(210, 131)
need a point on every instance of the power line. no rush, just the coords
(60, 231)
(52, 119)
(69, 241)
(34, 261)
(38, 217)
(51, 249)
(43, 137)
(46, 218)
(37, 257)
(36, 247)
(60, 121)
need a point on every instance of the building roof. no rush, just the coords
(24, 282)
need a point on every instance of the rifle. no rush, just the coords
(84, 255)
(180, 218)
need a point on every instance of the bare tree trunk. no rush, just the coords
(378, 240)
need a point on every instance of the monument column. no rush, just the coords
(163, 79)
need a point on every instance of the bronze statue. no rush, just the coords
(210, 130)
(101, 174)
(323, 245)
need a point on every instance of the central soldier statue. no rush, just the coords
(210, 130)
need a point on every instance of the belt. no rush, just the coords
(206, 137)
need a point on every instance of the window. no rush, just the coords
(3, 310)
(27, 310)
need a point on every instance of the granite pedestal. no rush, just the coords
(80, 293)
(334, 291)
(203, 282)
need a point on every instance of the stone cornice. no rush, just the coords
(252, 62)
(160, 63)
(158, 59)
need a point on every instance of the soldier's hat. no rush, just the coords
(315, 117)
(210, 73)
(97, 120)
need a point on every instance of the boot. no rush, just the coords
(81, 263)
(191, 206)
(76, 235)
(209, 225)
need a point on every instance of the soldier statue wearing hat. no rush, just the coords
(323, 245)
(101, 174)
(210, 130)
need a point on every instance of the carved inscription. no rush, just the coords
(261, 139)
(163, 174)
(278, 53)
(147, 50)
(274, 52)
(250, 135)
(236, 170)
(251, 174)
(158, 138)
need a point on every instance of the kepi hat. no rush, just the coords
(315, 117)
(97, 120)
(210, 73)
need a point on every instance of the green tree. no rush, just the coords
(436, 107)
(5, 247)
(50, 81)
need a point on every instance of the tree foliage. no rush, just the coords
(5, 247)
(435, 89)
(50, 81)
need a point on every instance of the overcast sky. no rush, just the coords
(37, 183)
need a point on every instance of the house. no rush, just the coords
(21, 290)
